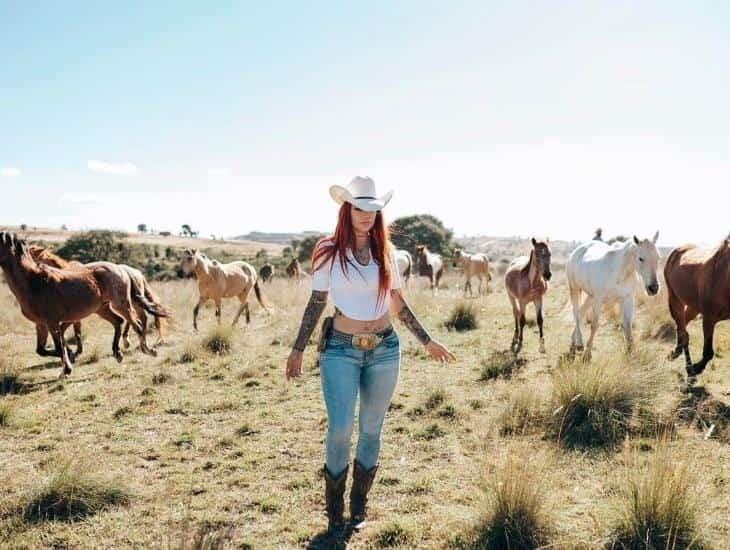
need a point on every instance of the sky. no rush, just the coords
(500, 118)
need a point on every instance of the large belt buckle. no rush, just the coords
(365, 342)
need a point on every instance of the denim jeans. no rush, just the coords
(346, 372)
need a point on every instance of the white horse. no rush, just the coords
(609, 274)
(429, 264)
(473, 265)
(405, 265)
(217, 281)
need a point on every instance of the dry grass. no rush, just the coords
(226, 442)
(462, 318)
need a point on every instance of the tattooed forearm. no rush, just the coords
(409, 320)
(312, 313)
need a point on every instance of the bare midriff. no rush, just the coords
(344, 324)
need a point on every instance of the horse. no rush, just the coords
(55, 298)
(698, 283)
(405, 265)
(266, 273)
(473, 265)
(295, 271)
(429, 264)
(607, 274)
(217, 281)
(526, 280)
(45, 256)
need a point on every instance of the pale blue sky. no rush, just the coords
(545, 118)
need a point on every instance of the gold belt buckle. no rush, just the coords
(365, 342)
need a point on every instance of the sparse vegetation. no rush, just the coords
(219, 340)
(463, 317)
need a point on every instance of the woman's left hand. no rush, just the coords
(439, 352)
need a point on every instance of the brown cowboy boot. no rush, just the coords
(335, 501)
(362, 480)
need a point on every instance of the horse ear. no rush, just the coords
(656, 237)
(636, 239)
(534, 242)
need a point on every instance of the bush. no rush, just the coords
(409, 231)
(219, 340)
(500, 363)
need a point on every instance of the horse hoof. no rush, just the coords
(672, 355)
(119, 356)
(152, 352)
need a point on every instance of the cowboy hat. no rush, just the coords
(360, 192)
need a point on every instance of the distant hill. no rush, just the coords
(274, 238)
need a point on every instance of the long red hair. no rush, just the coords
(344, 238)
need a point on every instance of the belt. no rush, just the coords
(367, 341)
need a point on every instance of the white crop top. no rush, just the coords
(355, 294)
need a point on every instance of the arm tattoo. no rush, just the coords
(409, 320)
(312, 313)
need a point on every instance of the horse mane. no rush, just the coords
(45, 256)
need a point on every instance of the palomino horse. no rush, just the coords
(698, 282)
(526, 281)
(405, 265)
(266, 273)
(429, 264)
(55, 298)
(609, 274)
(141, 292)
(217, 281)
(473, 265)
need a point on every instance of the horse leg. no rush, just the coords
(516, 315)
(627, 310)
(59, 341)
(689, 315)
(594, 328)
(576, 343)
(708, 331)
(196, 310)
(116, 321)
(676, 310)
(243, 297)
(538, 311)
(523, 307)
(143, 334)
(125, 335)
(41, 332)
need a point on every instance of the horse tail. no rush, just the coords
(159, 321)
(147, 300)
(259, 297)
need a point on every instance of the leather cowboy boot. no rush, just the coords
(362, 480)
(335, 501)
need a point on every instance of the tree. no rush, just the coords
(187, 230)
(142, 228)
(409, 231)
(287, 252)
(599, 234)
(93, 246)
(262, 256)
(23, 227)
(306, 247)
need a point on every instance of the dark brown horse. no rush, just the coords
(294, 270)
(698, 283)
(56, 298)
(526, 281)
(266, 273)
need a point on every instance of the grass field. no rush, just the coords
(194, 448)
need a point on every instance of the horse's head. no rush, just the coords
(647, 263)
(456, 257)
(543, 255)
(189, 260)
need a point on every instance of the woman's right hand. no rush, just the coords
(294, 364)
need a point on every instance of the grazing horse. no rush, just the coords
(143, 291)
(609, 274)
(473, 265)
(698, 283)
(217, 281)
(266, 273)
(429, 264)
(405, 265)
(295, 271)
(526, 280)
(55, 298)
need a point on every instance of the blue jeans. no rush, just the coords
(346, 371)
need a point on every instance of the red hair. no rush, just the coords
(344, 238)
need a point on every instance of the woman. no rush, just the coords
(362, 353)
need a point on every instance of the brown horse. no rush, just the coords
(47, 257)
(429, 264)
(294, 270)
(698, 283)
(526, 281)
(55, 298)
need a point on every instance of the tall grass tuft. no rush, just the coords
(219, 340)
(593, 404)
(462, 318)
(656, 507)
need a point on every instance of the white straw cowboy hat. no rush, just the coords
(360, 192)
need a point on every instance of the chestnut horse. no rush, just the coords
(55, 298)
(295, 271)
(526, 281)
(698, 283)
